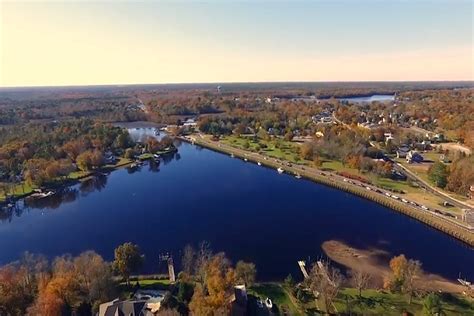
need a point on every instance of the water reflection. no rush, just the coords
(96, 183)
(65, 195)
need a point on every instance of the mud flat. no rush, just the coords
(376, 263)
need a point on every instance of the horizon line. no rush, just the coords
(232, 82)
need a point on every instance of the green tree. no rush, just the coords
(432, 305)
(438, 174)
(127, 260)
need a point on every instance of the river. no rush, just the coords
(250, 212)
(369, 99)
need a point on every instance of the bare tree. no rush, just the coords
(360, 280)
(203, 256)
(327, 281)
(413, 270)
(188, 260)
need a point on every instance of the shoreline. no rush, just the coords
(446, 226)
(376, 263)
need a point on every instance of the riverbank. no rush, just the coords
(442, 224)
(376, 263)
(73, 178)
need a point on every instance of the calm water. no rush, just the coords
(375, 97)
(250, 212)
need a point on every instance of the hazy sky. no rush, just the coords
(70, 43)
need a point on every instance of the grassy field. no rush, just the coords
(278, 295)
(280, 149)
(381, 303)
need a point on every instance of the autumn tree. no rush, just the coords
(404, 274)
(306, 151)
(127, 260)
(213, 297)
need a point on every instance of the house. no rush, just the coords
(402, 151)
(123, 308)
(190, 122)
(131, 307)
(414, 156)
(388, 137)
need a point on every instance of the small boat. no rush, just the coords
(259, 163)
(232, 155)
(298, 176)
(280, 170)
(245, 159)
(268, 303)
(42, 195)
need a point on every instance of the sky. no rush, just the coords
(125, 42)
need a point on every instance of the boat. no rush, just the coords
(42, 195)
(245, 159)
(280, 170)
(259, 163)
(232, 155)
(298, 176)
(268, 303)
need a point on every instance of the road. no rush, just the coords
(315, 174)
(416, 178)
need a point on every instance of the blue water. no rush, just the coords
(250, 212)
(372, 98)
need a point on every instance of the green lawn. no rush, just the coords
(277, 294)
(382, 303)
(285, 151)
(149, 284)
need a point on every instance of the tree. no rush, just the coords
(289, 282)
(84, 161)
(188, 260)
(404, 274)
(288, 136)
(14, 296)
(360, 280)
(432, 305)
(438, 174)
(326, 280)
(127, 260)
(306, 151)
(398, 266)
(245, 272)
(411, 273)
(212, 297)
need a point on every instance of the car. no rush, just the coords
(368, 188)
(404, 201)
(345, 180)
(426, 208)
(387, 194)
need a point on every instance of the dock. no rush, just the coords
(302, 265)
